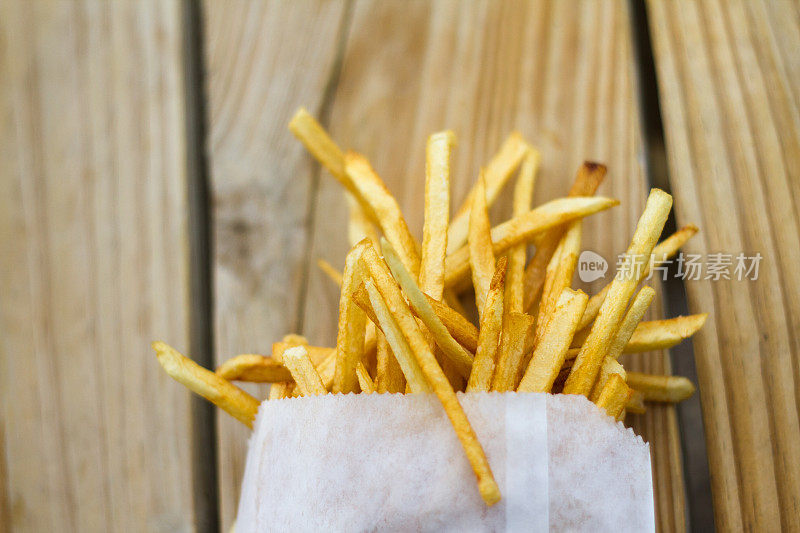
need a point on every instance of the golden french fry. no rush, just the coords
(316, 353)
(352, 325)
(306, 377)
(415, 379)
(437, 213)
(319, 144)
(436, 379)
(364, 379)
(491, 324)
(327, 370)
(456, 353)
(481, 257)
(661, 388)
(635, 403)
(584, 372)
(390, 376)
(551, 351)
(389, 217)
(516, 337)
(663, 334)
(523, 196)
(614, 396)
(662, 251)
(609, 367)
(207, 384)
(459, 327)
(253, 367)
(522, 228)
(330, 271)
(559, 273)
(590, 176)
(497, 173)
(634, 314)
(279, 391)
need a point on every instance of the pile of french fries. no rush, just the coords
(402, 327)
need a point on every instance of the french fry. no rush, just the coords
(497, 173)
(352, 326)
(607, 369)
(436, 379)
(634, 314)
(330, 271)
(207, 384)
(437, 213)
(584, 372)
(516, 336)
(327, 370)
(364, 380)
(522, 228)
(635, 403)
(559, 272)
(661, 388)
(390, 376)
(456, 353)
(663, 334)
(481, 257)
(306, 377)
(415, 379)
(317, 141)
(590, 176)
(551, 350)
(253, 367)
(662, 251)
(491, 324)
(523, 196)
(387, 211)
(614, 396)
(317, 353)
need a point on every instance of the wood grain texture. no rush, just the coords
(560, 72)
(728, 75)
(93, 243)
(263, 60)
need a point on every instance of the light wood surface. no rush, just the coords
(93, 234)
(263, 60)
(728, 77)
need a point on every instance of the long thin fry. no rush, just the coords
(522, 228)
(456, 353)
(491, 324)
(523, 196)
(516, 333)
(559, 273)
(253, 367)
(590, 176)
(207, 384)
(607, 369)
(481, 257)
(661, 388)
(437, 213)
(391, 294)
(551, 350)
(330, 271)
(587, 364)
(415, 379)
(364, 380)
(663, 334)
(390, 376)
(359, 226)
(306, 377)
(662, 251)
(614, 396)
(387, 211)
(497, 173)
(317, 353)
(352, 325)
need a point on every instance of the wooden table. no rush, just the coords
(149, 189)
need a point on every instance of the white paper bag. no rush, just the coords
(388, 462)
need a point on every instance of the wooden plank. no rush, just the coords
(560, 72)
(263, 60)
(728, 78)
(93, 238)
